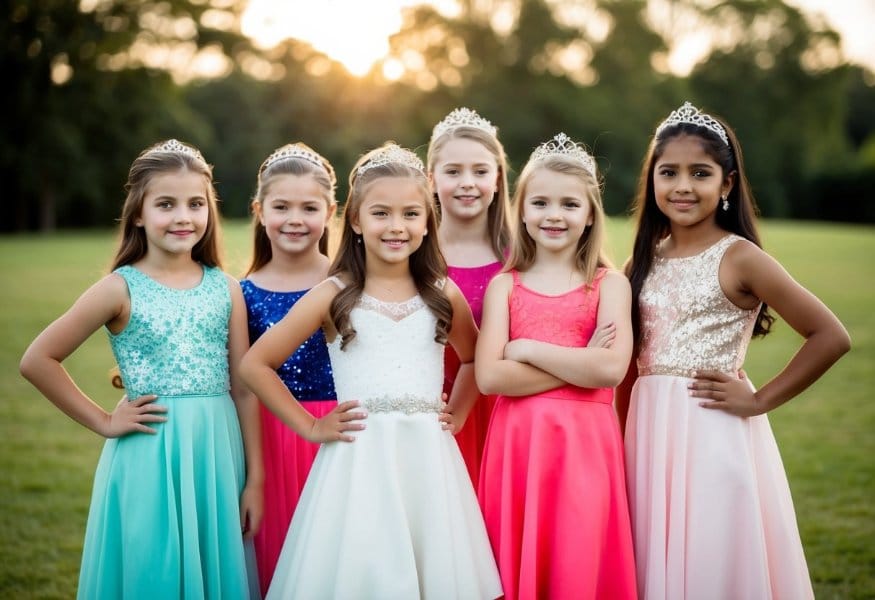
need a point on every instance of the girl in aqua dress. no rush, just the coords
(556, 338)
(467, 169)
(177, 492)
(293, 205)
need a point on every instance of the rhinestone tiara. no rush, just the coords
(562, 145)
(692, 115)
(389, 154)
(177, 147)
(463, 117)
(292, 151)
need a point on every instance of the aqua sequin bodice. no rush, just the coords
(176, 342)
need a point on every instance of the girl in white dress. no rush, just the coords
(388, 510)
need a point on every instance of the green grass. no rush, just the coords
(827, 435)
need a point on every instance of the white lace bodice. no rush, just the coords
(393, 363)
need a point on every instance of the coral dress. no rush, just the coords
(392, 515)
(164, 520)
(552, 485)
(472, 281)
(711, 508)
(287, 456)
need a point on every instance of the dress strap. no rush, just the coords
(336, 281)
(516, 278)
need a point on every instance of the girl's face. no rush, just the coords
(392, 219)
(465, 178)
(688, 183)
(294, 213)
(556, 211)
(175, 211)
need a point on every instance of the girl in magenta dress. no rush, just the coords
(552, 485)
(468, 173)
(293, 203)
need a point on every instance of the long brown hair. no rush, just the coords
(590, 247)
(652, 226)
(292, 165)
(497, 221)
(427, 265)
(165, 157)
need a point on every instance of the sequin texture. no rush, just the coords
(687, 323)
(307, 372)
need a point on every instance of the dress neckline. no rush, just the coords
(169, 287)
(268, 291)
(519, 282)
(698, 254)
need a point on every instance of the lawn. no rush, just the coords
(827, 434)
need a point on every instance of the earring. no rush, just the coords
(358, 239)
(725, 203)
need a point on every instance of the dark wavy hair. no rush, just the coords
(652, 226)
(427, 264)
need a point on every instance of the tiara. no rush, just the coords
(692, 115)
(562, 145)
(463, 117)
(391, 154)
(177, 147)
(292, 151)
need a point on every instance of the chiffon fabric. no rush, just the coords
(164, 520)
(287, 457)
(552, 484)
(472, 281)
(711, 508)
(392, 515)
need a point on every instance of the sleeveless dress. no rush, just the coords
(164, 520)
(287, 456)
(552, 485)
(472, 281)
(711, 508)
(393, 514)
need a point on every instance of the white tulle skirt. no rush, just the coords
(391, 515)
(712, 515)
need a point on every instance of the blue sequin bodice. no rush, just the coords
(307, 372)
(176, 341)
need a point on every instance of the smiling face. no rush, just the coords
(555, 211)
(175, 211)
(294, 213)
(465, 178)
(392, 219)
(688, 183)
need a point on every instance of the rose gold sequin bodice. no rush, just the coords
(687, 323)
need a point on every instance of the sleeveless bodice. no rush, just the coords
(687, 322)
(393, 362)
(567, 319)
(176, 341)
(472, 281)
(307, 372)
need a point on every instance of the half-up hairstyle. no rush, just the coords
(427, 265)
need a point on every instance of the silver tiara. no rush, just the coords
(392, 154)
(292, 151)
(692, 115)
(562, 145)
(463, 117)
(177, 147)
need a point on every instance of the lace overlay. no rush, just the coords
(687, 323)
(176, 342)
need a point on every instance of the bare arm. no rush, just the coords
(258, 370)
(463, 339)
(590, 367)
(750, 271)
(102, 303)
(496, 374)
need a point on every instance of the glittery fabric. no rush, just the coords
(307, 372)
(687, 323)
(472, 281)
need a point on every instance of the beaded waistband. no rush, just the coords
(666, 370)
(406, 403)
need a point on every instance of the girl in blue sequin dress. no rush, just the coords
(178, 485)
(293, 204)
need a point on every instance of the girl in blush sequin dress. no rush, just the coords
(711, 508)
(468, 173)
(388, 510)
(552, 485)
(175, 479)
(293, 205)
